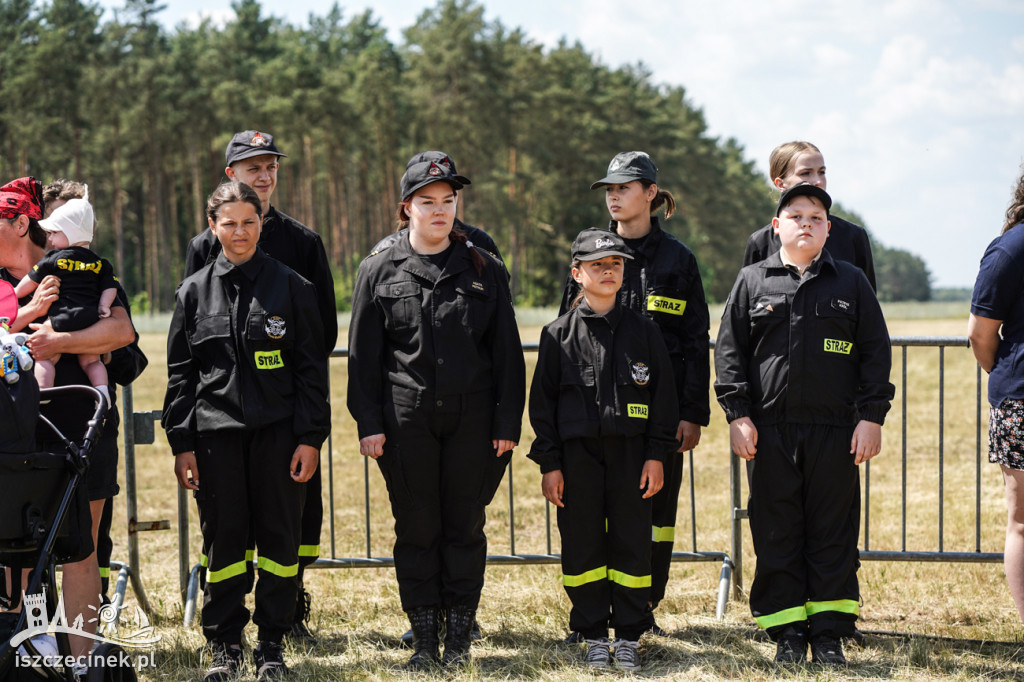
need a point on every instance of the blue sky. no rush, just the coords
(917, 105)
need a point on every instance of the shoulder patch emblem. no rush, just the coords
(641, 373)
(275, 327)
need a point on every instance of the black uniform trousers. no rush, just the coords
(441, 472)
(663, 524)
(804, 513)
(312, 521)
(605, 530)
(245, 490)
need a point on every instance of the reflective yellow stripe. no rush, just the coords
(230, 571)
(249, 554)
(309, 550)
(664, 304)
(204, 560)
(666, 534)
(584, 578)
(793, 615)
(627, 580)
(265, 564)
(840, 605)
(104, 571)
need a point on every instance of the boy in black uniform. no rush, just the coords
(252, 158)
(603, 406)
(803, 360)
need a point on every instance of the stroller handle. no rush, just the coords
(93, 426)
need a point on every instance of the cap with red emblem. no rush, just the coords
(24, 195)
(249, 143)
(422, 173)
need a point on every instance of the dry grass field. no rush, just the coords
(924, 620)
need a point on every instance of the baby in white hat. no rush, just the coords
(87, 284)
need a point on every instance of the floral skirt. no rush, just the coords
(1006, 434)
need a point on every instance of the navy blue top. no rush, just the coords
(999, 295)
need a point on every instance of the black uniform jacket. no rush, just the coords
(602, 375)
(420, 336)
(245, 350)
(846, 242)
(284, 239)
(663, 283)
(477, 236)
(811, 350)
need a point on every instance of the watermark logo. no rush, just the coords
(37, 623)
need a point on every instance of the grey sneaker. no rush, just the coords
(225, 664)
(269, 659)
(627, 655)
(598, 654)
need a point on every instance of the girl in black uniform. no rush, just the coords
(246, 408)
(790, 164)
(437, 385)
(662, 282)
(603, 407)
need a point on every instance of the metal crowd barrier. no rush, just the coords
(941, 552)
(191, 576)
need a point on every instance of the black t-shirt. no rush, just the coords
(83, 277)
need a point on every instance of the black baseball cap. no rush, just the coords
(595, 243)
(439, 157)
(249, 143)
(627, 167)
(804, 189)
(424, 173)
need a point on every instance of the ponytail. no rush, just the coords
(579, 294)
(457, 236)
(662, 198)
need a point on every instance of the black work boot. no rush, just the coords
(425, 622)
(457, 635)
(299, 632)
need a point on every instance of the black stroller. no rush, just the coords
(44, 521)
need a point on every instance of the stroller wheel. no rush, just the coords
(122, 669)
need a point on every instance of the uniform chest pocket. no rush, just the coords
(768, 310)
(476, 303)
(577, 395)
(211, 342)
(836, 318)
(400, 302)
(666, 305)
(267, 337)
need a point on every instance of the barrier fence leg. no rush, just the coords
(183, 565)
(737, 526)
(131, 493)
(723, 589)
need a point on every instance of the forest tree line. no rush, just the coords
(143, 115)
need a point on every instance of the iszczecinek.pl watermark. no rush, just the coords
(116, 661)
(37, 647)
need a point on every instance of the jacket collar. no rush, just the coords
(774, 262)
(613, 317)
(650, 243)
(222, 267)
(404, 258)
